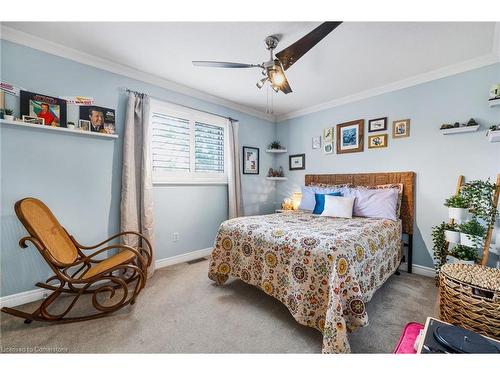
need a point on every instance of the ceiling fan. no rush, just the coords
(274, 69)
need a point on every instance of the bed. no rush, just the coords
(323, 269)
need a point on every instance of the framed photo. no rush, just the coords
(316, 142)
(328, 148)
(84, 125)
(33, 120)
(377, 141)
(401, 128)
(51, 110)
(350, 136)
(327, 135)
(377, 125)
(297, 162)
(250, 160)
(102, 120)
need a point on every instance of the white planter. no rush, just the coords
(8, 117)
(458, 214)
(452, 236)
(468, 240)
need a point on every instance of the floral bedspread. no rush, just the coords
(323, 269)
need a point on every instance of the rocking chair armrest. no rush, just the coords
(82, 247)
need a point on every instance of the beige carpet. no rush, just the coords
(182, 311)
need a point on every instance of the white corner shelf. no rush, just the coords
(276, 151)
(276, 178)
(494, 135)
(57, 129)
(462, 129)
(494, 103)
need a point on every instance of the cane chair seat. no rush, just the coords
(115, 260)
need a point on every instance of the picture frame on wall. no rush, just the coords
(401, 128)
(377, 125)
(328, 148)
(250, 160)
(377, 141)
(102, 120)
(51, 109)
(84, 125)
(297, 162)
(327, 135)
(350, 136)
(316, 142)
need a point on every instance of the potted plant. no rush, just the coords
(8, 114)
(440, 246)
(458, 208)
(464, 254)
(472, 233)
(451, 233)
(70, 125)
(275, 145)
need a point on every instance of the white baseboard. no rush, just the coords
(37, 294)
(165, 262)
(418, 270)
(23, 297)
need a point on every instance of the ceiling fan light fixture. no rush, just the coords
(275, 88)
(261, 83)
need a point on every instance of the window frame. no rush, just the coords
(192, 115)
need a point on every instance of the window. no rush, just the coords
(188, 146)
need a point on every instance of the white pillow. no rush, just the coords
(338, 206)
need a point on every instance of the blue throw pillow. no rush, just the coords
(320, 201)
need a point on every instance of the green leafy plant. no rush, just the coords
(440, 246)
(8, 111)
(457, 201)
(275, 145)
(472, 227)
(464, 253)
(479, 194)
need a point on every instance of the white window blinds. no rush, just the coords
(188, 146)
(209, 148)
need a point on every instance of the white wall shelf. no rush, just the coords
(276, 151)
(494, 103)
(494, 135)
(462, 129)
(56, 129)
(276, 178)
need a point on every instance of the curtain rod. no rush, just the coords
(185, 106)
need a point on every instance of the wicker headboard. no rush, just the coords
(369, 179)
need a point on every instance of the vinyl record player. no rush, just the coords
(441, 337)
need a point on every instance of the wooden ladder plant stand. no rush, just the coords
(489, 232)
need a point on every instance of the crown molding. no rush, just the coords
(485, 60)
(32, 41)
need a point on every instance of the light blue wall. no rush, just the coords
(437, 159)
(79, 177)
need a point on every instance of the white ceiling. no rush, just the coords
(356, 57)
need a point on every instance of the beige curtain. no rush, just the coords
(233, 176)
(136, 208)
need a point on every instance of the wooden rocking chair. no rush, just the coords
(77, 273)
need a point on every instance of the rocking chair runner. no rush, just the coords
(78, 273)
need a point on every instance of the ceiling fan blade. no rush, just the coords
(285, 87)
(224, 64)
(295, 51)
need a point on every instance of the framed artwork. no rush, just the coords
(350, 136)
(316, 142)
(401, 128)
(377, 125)
(102, 120)
(328, 148)
(250, 160)
(377, 141)
(33, 120)
(84, 125)
(51, 110)
(327, 135)
(297, 162)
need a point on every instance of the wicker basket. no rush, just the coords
(470, 297)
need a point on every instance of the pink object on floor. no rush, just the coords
(407, 340)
